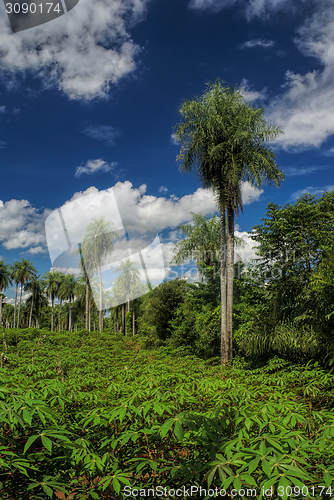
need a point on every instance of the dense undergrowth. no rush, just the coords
(88, 414)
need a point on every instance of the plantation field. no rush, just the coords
(89, 414)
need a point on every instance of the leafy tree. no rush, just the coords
(287, 293)
(160, 307)
(223, 138)
(97, 244)
(5, 281)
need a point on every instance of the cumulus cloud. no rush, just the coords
(21, 225)
(93, 166)
(304, 108)
(258, 42)
(102, 133)
(163, 189)
(82, 53)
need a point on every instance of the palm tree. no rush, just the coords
(52, 280)
(68, 288)
(202, 243)
(24, 271)
(97, 244)
(125, 283)
(37, 298)
(5, 281)
(33, 286)
(223, 138)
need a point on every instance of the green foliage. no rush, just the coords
(92, 413)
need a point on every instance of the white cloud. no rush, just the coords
(174, 140)
(2, 109)
(93, 166)
(250, 193)
(251, 95)
(253, 8)
(304, 108)
(258, 42)
(21, 225)
(294, 171)
(311, 190)
(102, 133)
(36, 250)
(163, 189)
(82, 53)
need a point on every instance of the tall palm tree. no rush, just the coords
(124, 284)
(68, 289)
(223, 138)
(97, 244)
(52, 280)
(37, 298)
(33, 286)
(24, 271)
(5, 281)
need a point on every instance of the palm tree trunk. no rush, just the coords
(0, 306)
(53, 299)
(133, 319)
(224, 343)
(87, 303)
(117, 325)
(31, 308)
(100, 311)
(61, 301)
(123, 321)
(15, 303)
(230, 276)
(70, 316)
(18, 314)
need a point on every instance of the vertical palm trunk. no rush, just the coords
(230, 276)
(133, 319)
(53, 300)
(100, 311)
(123, 320)
(117, 325)
(31, 308)
(70, 316)
(89, 314)
(15, 303)
(224, 343)
(18, 314)
(0, 306)
(87, 303)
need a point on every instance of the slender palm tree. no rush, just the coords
(124, 284)
(24, 271)
(68, 292)
(36, 300)
(97, 244)
(223, 138)
(52, 281)
(33, 286)
(5, 281)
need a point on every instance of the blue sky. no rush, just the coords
(88, 103)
